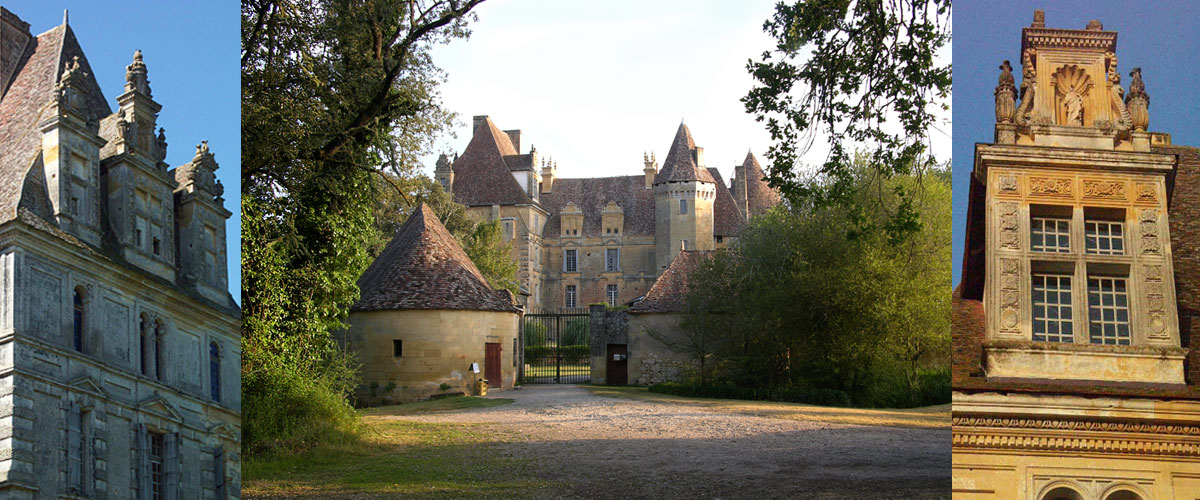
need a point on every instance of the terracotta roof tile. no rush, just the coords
(482, 174)
(727, 219)
(669, 291)
(423, 267)
(680, 164)
(592, 194)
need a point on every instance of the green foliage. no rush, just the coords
(330, 90)
(858, 312)
(535, 333)
(493, 256)
(858, 74)
(571, 354)
(575, 332)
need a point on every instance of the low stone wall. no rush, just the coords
(650, 362)
(653, 369)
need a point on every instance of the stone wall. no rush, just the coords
(650, 362)
(606, 327)
(438, 348)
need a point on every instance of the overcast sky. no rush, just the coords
(1160, 37)
(595, 84)
(192, 54)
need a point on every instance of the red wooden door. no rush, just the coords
(491, 364)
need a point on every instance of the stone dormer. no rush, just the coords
(1070, 93)
(71, 145)
(571, 220)
(444, 173)
(612, 219)
(201, 220)
(140, 207)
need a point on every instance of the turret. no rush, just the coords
(444, 173)
(684, 193)
(201, 220)
(549, 171)
(70, 157)
(138, 187)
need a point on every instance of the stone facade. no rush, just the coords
(600, 240)
(1074, 348)
(119, 361)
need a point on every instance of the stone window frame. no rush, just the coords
(612, 264)
(1059, 307)
(79, 318)
(1116, 308)
(571, 296)
(1038, 230)
(79, 454)
(1107, 237)
(219, 473)
(612, 293)
(571, 264)
(214, 371)
(683, 208)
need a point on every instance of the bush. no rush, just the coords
(283, 410)
(575, 333)
(535, 334)
(571, 354)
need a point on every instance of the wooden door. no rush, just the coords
(491, 364)
(617, 365)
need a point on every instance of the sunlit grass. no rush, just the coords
(925, 417)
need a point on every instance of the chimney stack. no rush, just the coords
(650, 169)
(479, 119)
(515, 137)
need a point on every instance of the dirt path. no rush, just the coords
(615, 447)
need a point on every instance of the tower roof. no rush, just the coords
(423, 267)
(22, 108)
(669, 291)
(727, 219)
(760, 197)
(482, 175)
(680, 164)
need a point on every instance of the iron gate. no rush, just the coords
(556, 347)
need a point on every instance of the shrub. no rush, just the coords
(535, 334)
(283, 410)
(575, 333)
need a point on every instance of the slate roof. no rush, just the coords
(423, 267)
(968, 318)
(727, 219)
(482, 175)
(759, 195)
(22, 108)
(670, 289)
(680, 164)
(592, 194)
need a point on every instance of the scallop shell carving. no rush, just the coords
(1071, 86)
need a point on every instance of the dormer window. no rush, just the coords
(1050, 234)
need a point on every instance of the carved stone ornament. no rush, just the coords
(1148, 225)
(1006, 95)
(1010, 301)
(1138, 101)
(1024, 112)
(1152, 272)
(135, 75)
(1050, 186)
(1008, 226)
(1008, 184)
(1104, 189)
(1147, 192)
(1062, 435)
(1071, 87)
(1155, 302)
(1116, 93)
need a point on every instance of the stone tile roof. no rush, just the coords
(727, 219)
(23, 106)
(968, 317)
(592, 194)
(482, 175)
(518, 163)
(669, 291)
(680, 164)
(759, 195)
(423, 267)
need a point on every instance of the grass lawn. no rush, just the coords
(400, 459)
(927, 417)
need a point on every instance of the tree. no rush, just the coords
(333, 93)
(708, 322)
(863, 74)
(493, 256)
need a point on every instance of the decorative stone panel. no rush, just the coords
(1148, 226)
(1009, 237)
(1051, 186)
(1114, 190)
(1010, 293)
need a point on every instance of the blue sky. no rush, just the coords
(192, 52)
(1160, 37)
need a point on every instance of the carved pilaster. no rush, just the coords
(1156, 313)
(1148, 226)
(1010, 296)
(1009, 239)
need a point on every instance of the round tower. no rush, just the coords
(684, 193)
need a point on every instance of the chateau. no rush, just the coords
(600, 240)
(119, 342)
(1076, 365)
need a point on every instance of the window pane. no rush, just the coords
(1108, 311)
(1052, 308)
(1050, 235)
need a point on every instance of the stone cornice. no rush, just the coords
(1058, 435)
(1043, 157)
(1042, 38)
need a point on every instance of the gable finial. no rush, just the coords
(64, 17)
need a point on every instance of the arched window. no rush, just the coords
(144, 330)
(79, 318)
(214, 371)
(158, 350)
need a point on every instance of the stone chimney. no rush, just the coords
(549, 170)
(650, 169)
(698, 156)
(479, 119)
(14, 36)
(515, 137)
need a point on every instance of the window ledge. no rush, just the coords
(1049, 360)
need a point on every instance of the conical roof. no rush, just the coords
(760, 197)
(481, 174)
(680, 164)
(423, 267)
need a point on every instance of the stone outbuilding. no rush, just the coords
(427, 320)
(628, 349)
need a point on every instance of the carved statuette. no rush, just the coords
(1006, 95)
(1028, 84)
(161, 142)
(1138, 101)
(135, 75)
(202, 149)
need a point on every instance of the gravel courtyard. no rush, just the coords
(602, 446)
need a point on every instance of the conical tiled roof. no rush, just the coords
(23, 106)
(423, 267)
(727, 219)
(669, 291)
(481, 174)
(760, 197)
(680, 164)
